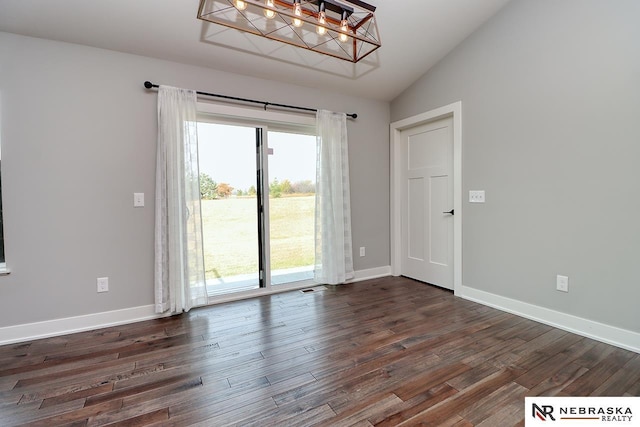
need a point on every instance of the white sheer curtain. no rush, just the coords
(334, 257)
(179, 260)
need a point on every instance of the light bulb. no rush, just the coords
(344, 27)
(239, 4)
(322, 20)
(269, 13)
(297, 10)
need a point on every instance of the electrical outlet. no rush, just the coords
(362, 252)
(562, 283)
(103, 284)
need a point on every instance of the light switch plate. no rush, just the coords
(476, 196)
(138, 200)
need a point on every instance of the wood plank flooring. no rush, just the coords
(385, 352)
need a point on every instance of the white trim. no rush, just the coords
(69, 325)
(359, 276)
(371, 273)
(618, 337)
(273, 289)
(248, 113)
(452, 110)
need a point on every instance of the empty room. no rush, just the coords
(319, 212)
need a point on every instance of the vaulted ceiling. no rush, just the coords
(415, 35)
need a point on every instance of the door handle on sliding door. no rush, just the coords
(450, 212)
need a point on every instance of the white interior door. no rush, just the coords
(427, 202)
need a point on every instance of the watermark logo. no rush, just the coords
(582, 411)
(542, 412)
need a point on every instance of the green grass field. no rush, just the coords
(231, 237)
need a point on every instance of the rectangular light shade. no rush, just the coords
(359, 40)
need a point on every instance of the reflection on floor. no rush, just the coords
(246, 282)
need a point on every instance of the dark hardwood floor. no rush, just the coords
(385, 352)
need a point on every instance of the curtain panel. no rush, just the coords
(179, 256)
(333, 247)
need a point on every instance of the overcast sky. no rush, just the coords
(227, 154)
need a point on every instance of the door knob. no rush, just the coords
(450, 212)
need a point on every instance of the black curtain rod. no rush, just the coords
(150, 85)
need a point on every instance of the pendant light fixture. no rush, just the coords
(321, 28)
(297, 11)
(240, 4)
(268, 10)
(344, 29)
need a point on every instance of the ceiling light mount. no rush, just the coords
(339, 28)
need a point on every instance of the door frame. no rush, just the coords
(256, 118)
(454, 111)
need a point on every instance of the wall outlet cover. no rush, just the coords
(562, 283)
(103, 284)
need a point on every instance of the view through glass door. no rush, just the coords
(231, 162)
(292, 172)
(229, 203)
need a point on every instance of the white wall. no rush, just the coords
(550, 94)
(78, 139)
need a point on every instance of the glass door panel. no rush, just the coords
(292, 176)
(228, 187)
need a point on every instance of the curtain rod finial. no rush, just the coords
(148, 84)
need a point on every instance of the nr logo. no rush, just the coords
(543, 412)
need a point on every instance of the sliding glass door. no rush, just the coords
(292, 171)
(257, 189)
(229, 200)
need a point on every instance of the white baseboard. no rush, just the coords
(371, 273)
(69, 325)
(618, 337)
